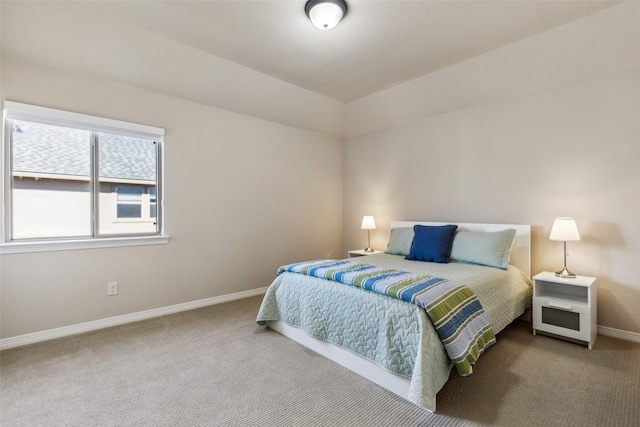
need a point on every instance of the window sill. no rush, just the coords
(68, 245)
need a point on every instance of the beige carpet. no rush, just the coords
(215, 367)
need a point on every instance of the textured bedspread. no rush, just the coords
(394, 334)
(453, 308)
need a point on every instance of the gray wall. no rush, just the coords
(527, 153)
(243, 196)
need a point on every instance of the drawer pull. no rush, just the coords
(560, 306)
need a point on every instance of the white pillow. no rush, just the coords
(400, 241)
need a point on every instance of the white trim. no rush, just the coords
(19, 110)
(18, 247)
(619, 333)
(80, 328)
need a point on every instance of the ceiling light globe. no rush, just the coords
(325, 14)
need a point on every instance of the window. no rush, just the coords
(129, 202)
(73, 176)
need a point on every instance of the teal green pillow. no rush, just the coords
(400, 241)
(490, 248)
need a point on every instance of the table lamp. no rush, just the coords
(564, 229)
(368, 223)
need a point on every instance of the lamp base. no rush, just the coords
(369, 249)
(565, 274)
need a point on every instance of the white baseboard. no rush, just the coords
(64, 331)
(619, 333)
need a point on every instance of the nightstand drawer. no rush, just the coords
(564, 318)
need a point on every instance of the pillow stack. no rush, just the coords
(445, 243)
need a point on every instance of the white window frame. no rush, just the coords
(20, 111)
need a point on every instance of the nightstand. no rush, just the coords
(362, 252)
(565, 307)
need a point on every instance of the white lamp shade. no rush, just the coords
(368, 223)
(564, 230)
(325, 15)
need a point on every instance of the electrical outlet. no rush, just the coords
(328, 255)
(112, 288)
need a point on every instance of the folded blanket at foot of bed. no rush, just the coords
(454, 309)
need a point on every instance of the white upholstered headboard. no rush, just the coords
(521, 252)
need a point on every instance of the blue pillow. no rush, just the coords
(432, 243)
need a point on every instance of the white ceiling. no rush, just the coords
(379, 43)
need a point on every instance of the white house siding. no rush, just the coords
(50, 208)
(47, 208)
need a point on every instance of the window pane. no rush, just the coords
(51, 191)
(129, 211)
(129, 194)
(152, 203)
(127, 169)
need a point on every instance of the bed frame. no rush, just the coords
(520, 257)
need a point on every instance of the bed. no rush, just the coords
(392, 342)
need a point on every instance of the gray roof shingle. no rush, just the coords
(57, 150)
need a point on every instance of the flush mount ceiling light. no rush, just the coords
(325, 14)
